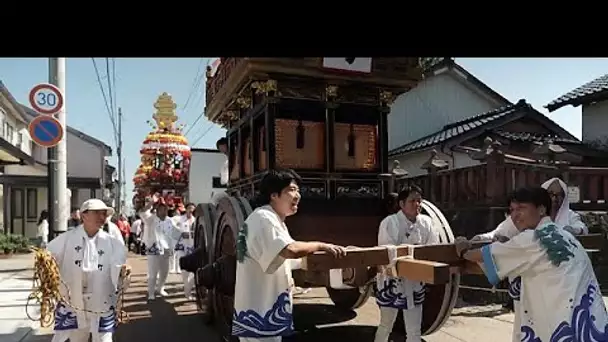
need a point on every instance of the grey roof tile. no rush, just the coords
(580, 94)
(532, 137)
(460, 127)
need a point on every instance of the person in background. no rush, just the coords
(222, 146)
(90, 261)
(174, 215)
(74, 220)
(112, 229)
(135, 235)
(124, 228)
(407, 226)
(263, 303)
(43, 229)
(185, 245)
(557, 290)
(160, 237)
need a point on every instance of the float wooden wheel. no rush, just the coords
(231, 214)
(440, 299)
(203, 235)
(350, 299)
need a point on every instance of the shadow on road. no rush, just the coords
(308, 315)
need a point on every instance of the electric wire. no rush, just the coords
(105, 99)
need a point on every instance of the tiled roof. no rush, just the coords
(531, 137)
(596, 87)
(460, 127)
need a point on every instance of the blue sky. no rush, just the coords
(139, 81)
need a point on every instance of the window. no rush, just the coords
(217, 184)
(19, 140)
(17, 203)
(8, 132)
(2, 118)
(32, 203)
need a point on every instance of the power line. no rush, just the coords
(105, 100)
(195, 83)
(202, 135)
(110, 93)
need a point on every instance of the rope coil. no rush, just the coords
(46, 290)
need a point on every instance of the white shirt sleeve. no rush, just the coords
(266, 238)
(388, 233)
(506, 228)
(575, 222)
(431, 235)
(57, 247)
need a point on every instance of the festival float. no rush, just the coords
(165, 157)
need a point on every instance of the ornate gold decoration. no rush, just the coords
(243, 102)
(165, 111)
(264, 87)
(386, 97)
(331, 91)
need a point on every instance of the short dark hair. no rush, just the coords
(221, 141)
(189, 204)
(536, 196)
(274, 182)
(405, 192)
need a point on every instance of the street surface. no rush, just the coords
(176, 319)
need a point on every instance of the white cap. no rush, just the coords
(95, 204)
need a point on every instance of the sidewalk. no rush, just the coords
(15, 286)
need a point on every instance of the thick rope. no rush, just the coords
(45, 291)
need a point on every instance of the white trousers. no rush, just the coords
(174, 262)
(187, 277)
(261, 339)
(158, 270)
(81, 335)
(413, 322)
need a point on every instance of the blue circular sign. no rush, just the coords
(46, 131)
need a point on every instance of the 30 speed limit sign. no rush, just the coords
(46, 99)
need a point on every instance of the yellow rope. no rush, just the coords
(47, 281)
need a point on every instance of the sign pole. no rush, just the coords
(57, 164)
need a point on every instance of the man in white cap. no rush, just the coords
(160, 237)
(90, 261)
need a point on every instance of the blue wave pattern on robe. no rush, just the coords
(515, 288)
(107, 323)
(581, 328)
(153, 250)
(179, 246)
(388, 296)
(278, 321)
(65, 319)
(420, 295)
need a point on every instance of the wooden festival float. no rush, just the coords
(330, 125)
(165, 157)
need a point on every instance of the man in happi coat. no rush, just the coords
(89, 261)
(160, 237)
(263, 299)
(560, 213)
(185, 245)
(407, 226)
(558, 293)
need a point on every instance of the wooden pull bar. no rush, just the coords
(372, 256)
(428, 272)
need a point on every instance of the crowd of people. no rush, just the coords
(554, 289)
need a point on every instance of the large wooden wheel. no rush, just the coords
(440, 299)
(203, 235)
(350, 299)
(231, 214)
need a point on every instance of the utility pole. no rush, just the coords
(57, 159)
(120, 166)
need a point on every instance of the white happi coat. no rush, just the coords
(566, 216)
(263, 295)
(558, 293)
(160, 236)
(396, 229)
(94, 263)
(185, 246)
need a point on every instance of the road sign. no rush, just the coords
(46, 99)
(46, 131)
